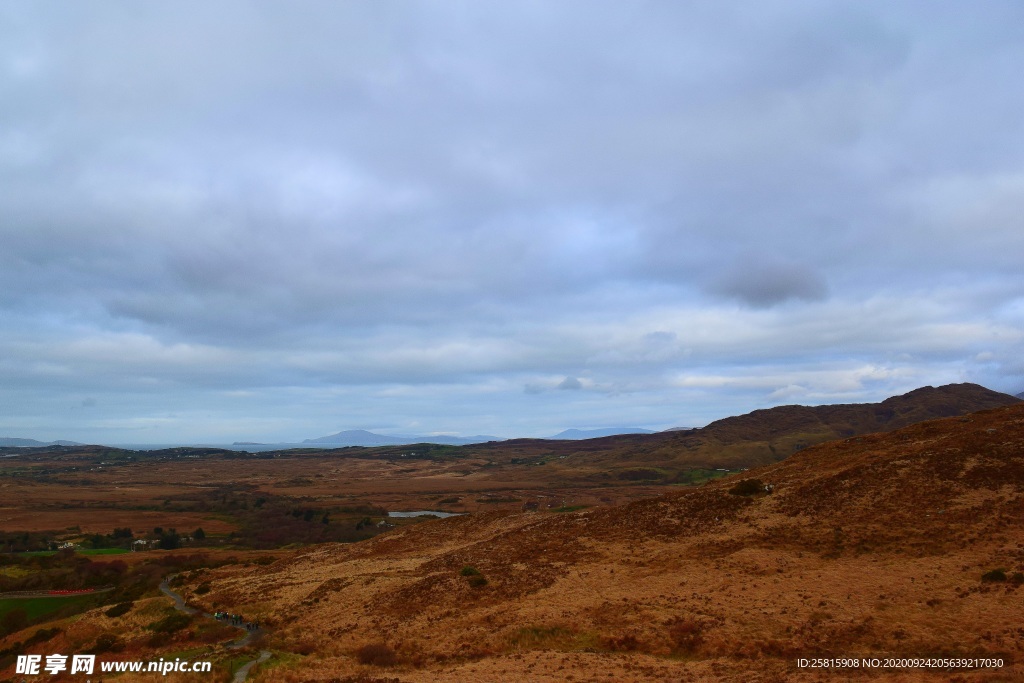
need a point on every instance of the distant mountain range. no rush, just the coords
(30, 443)
(576, 434)
(361, 437)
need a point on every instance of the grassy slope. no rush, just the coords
(869, 546)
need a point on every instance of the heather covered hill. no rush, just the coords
(757, 438)
(906, 543)
(776, 433)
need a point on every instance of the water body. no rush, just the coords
(421, 513)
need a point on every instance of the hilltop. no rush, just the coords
(905, 543)
(757, 438)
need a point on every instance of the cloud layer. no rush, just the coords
(250, 221)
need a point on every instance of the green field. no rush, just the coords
(102, 551)
(81, 551)
(40, 607)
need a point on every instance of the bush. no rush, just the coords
(686, 634)
(171, 623)
(203, 588)
(469, 571)
(119, 609)
(994, 576)
(376, 654)
(477, 581)
(107, 642)
(1017, 578)
(748, 487)
(41, 636)
(158, 640)
(626, 643)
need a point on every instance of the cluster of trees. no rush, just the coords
(277, 523)
(25, 541)
(64, 570)
(168, 539)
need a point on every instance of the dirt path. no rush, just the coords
(244, 671)
(182, 606)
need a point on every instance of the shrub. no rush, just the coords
(1017, 578)
(748, 487)
(376, 654)
(171, 623)
(993, 576)
(477, 581)
(41, 636)
(107, 642)
(158, 640)
(119, 609)
(686, 634)
(469, 571)
(203, 588)
(626, 643)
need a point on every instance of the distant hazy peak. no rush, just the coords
(574, 434)
(361, 437)
(29, 443)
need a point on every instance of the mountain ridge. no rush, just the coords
(362, 437)
(577, 434)
(769, 435)
(33, 443)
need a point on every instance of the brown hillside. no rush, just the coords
(757, 438)
(871, 546)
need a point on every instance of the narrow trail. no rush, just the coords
(244, 671)
(244, 641)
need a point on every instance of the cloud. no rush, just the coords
(763, 283)
(570, 384)
(261, 219)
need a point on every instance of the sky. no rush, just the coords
(272, 221)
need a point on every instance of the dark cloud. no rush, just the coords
(762, 284)
(570, 383)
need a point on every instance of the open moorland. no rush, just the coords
(71, 491)
(623, 558)
(905, 544)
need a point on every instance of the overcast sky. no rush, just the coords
(273, 221)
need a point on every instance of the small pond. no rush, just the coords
(421, 513)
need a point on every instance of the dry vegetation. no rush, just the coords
(901, 543)
(871, 546)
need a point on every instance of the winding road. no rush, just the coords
(182, 606)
